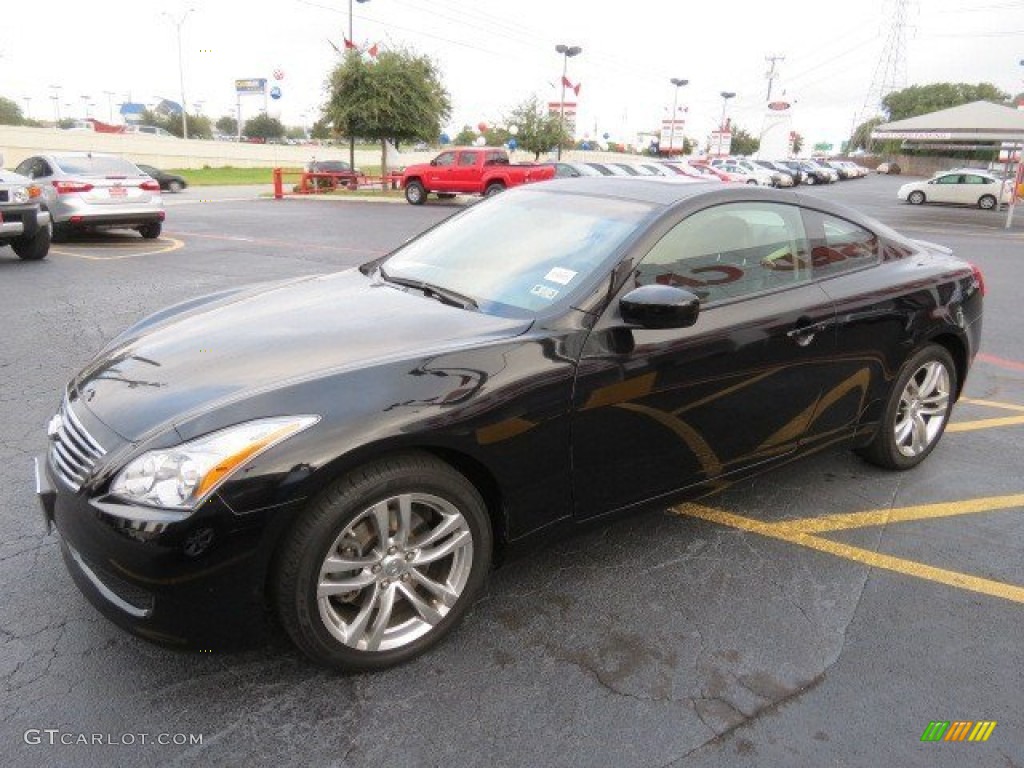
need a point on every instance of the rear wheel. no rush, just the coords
(987, 202)
(35, 247)
(494, 188)
(810, 180)
(175, 186)
(916, 197)
(383, 564)
(916, 413)
(151, 231)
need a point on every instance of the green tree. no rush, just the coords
(397, 96)
(321, 130)
(921, 99)
(10, 112)
(199, 126)
(743, 143)
(295, 132)
(538, 131)
(263, 127)
(465, 137)
(227, 125)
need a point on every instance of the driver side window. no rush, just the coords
(445, 159)
(731, 250)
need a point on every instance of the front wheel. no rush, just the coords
(383, 564)
(916, 197)
(916, 412)
(494, 188)
(987, 202)
(415, 193)
(810, 181)
(35, 247)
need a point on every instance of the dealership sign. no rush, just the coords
(924, 135)
(251, 85)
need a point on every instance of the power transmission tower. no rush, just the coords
(891, 70)
(771, 75)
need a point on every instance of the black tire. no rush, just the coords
(415, 193)
(320, 532)
(151, 231)
(987, 203)
(60, 233)
(916, 197)
(36, 247)
(175, 186)
(884, 449)
(494, 188)
(752, 181)
(810, 180)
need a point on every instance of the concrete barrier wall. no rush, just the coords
(19, 142)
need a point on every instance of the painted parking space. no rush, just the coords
(812, 532)
(115, 247)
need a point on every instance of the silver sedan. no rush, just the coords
(89, 190)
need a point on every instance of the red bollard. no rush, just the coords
(278, 186)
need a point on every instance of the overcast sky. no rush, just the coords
(494, 55)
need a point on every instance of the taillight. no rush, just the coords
(70, 187)
(150, 186)
(978, 278)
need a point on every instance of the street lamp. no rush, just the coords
(678, 83)
(181, 69)
(567, 51)
(85, 105)
(56, 104)
(110, 105)
(352, 139)
(28, 103)
(726, 95)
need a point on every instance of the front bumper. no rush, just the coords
(198, 583)
(22, 220)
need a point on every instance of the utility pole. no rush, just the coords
(771, 72)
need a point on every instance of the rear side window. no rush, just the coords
(467, 158)
(98, 166)
(844, 246)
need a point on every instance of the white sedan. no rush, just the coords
(980, 189)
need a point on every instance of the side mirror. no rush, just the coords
(660, 307)
(434, 161)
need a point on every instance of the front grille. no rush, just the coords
(73, 451)
(4, 196)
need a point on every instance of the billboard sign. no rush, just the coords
(251, 85)
(672, 138)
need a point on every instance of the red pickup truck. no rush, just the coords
(468, 171)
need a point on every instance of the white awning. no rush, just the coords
(978, 121)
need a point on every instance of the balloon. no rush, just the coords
(606, 136)
(513, 130)
(480, 141)
(445, 138)
(482, 127)
(512, 144)
(585, 146)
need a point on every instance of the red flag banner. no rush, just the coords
(374, 50)
(350, 46)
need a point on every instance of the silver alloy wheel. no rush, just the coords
(395, 572)
(923, 408)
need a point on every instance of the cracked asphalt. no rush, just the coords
(661, 640)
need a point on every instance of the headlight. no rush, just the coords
(19, 195)
(183, 476)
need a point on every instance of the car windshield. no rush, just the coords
(97, 166)
(523, 251)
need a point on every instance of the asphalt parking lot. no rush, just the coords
(822, 615)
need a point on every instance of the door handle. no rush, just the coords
(803, 334)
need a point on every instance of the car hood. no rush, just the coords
(204, 356)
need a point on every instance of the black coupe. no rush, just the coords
(351, 452)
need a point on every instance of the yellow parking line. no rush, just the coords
(993, 404)
(172, 245)
(845, 522)
(970, 426)
(865, 556)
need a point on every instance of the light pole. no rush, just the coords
(567, 51)
(352, 138)
(85, 105)
(28, 103)
(672, 124)
(181, 69)
(56, 104)
(726, 95)
(110, 105)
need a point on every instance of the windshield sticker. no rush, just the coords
(544, 292)
(560, 275)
